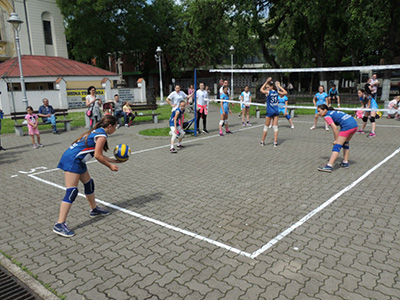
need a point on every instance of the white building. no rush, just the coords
(42, 32)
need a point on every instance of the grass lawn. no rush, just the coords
(156, 131)
(78, 119)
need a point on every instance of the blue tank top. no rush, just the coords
(225, 104)
(321, 98)
(272, 101)
(345, 121)
(282, 101)
(84, 150)
(173, 114)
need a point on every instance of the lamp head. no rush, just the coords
(159, 51)
(15, 21)
(231, 49)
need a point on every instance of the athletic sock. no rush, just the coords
(329, 165)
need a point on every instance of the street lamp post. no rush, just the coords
(16, 22)
(159, 59)
(232, 51)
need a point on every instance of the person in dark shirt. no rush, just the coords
(47, 113)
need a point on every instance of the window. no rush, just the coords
(48, 39)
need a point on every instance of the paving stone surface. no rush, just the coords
(184, 225)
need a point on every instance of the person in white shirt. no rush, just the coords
(221, 90)
(245, 98)
(374, 82)
(202, 111)
(175, 97)
(394, 110)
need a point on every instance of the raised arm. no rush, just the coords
(263, 88)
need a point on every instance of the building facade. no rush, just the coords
(42, 32)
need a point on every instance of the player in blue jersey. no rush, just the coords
(319, 98)
(333, 94)
(271, 93)
(73, 163)
(225, 110)
(283, 102)
(348, 127)
(176, 129)
(368, 102)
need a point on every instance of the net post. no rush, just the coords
(195, 102)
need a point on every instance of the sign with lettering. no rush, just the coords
(77, 97)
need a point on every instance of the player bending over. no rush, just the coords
(73, 162)
(176, 129)
(348, 127)
(368, 102)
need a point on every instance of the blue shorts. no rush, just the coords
(72, 165)
(272, 114)
(225, 111)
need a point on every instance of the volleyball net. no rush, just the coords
(305, 82)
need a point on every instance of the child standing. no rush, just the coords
(224, 111)
(128, 114)
(319, 98)
(348, 127)
(73, 162)
(271, 92)
(245, 97)
(32, 120)
(176, 129)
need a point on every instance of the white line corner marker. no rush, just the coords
(321, 207)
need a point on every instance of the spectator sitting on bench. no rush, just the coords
(47, 113)
(118, 111)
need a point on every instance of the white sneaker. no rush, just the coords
(292, 127)
(326, 128)
(35, 146)
(118, 126)
(312, 127)
(126, 125)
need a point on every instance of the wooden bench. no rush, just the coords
(21, 116)
(141, 107)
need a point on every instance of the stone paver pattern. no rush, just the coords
(226, 189)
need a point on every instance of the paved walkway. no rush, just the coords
(222, 219)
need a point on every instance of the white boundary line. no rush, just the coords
(160, 223)
(321, 207)
(211, 241)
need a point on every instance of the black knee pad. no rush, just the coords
(372, 119)
(365, 119)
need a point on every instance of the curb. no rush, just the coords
(27, 279)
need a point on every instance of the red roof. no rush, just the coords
(36, 65)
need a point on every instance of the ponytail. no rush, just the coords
(325, 107)
(103, 123)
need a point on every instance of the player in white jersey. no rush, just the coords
(245, 98)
